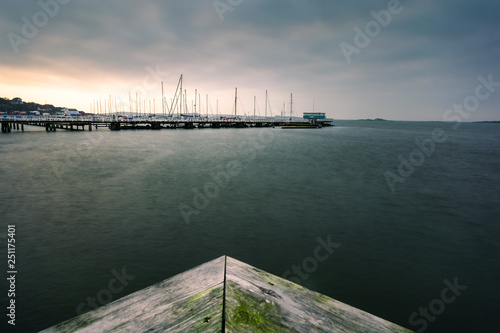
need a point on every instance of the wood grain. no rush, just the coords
(255, 301)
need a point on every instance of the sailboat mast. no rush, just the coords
(180, 110)
(266, 104)
(235, 99)
(130, 103)
(162, 102)
(254, 107)
(291, 106)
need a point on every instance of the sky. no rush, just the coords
(399, 60)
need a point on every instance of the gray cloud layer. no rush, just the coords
(426, 59)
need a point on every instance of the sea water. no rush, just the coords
(410, 210)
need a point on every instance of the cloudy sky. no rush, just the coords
(413, 62)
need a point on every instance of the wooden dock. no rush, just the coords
(226, 295)
(51, 124)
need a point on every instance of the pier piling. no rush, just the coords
(115, 126)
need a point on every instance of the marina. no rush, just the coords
(89, 123)
(175, 116)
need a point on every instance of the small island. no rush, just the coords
(376, 119)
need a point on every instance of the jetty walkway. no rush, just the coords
(82, 123)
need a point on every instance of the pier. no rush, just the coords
(226, 295)
(51, 124)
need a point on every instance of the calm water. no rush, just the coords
(87, 204)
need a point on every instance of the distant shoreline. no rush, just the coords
(376, 119)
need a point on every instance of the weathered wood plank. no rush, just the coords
(188, 302)
(257, 301)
